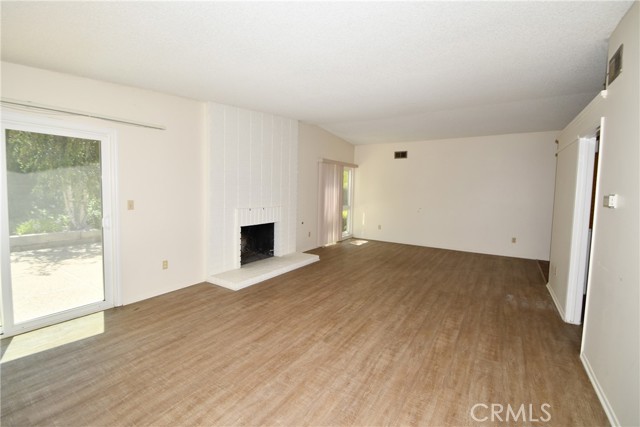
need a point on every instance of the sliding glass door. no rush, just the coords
(347, 202)
(56, 252)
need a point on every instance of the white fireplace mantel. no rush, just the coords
(258, 215)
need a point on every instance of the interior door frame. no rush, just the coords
(110, 223)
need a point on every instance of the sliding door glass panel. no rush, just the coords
(54, 186)
(347, 197)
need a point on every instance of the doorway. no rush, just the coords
(571, 234)
(57, 239)
(592, 210)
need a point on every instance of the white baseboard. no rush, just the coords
(613, 420)
(555, 301)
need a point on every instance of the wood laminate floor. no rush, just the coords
(378, 334)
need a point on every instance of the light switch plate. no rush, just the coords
(610, 201)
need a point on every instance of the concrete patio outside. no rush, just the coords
(50, 280)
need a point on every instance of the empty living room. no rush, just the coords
(293, 213)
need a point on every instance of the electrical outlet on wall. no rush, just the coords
(165, 264)
(513, 240)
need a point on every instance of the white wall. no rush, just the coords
(315, 143)
(253, 163)
(562, 235)
(611, 335)
(162, 171)
(469, 194)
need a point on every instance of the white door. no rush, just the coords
(570, 235)
(57, 233)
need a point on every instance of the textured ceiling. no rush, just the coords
(366, 71)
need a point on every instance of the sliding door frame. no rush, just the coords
(110, 223)
(352, 173)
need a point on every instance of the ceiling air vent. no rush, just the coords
(400, 155)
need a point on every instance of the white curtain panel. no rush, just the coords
(330, 203)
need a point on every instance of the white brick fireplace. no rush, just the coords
(252, 162)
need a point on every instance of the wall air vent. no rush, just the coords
(400, 155)
(615, 66)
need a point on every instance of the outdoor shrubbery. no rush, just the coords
(54, 183)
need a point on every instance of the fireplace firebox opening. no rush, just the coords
(256, 242)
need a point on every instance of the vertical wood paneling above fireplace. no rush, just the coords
(252, 162)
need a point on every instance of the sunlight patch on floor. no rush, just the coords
(52, 336)
(358, 242)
